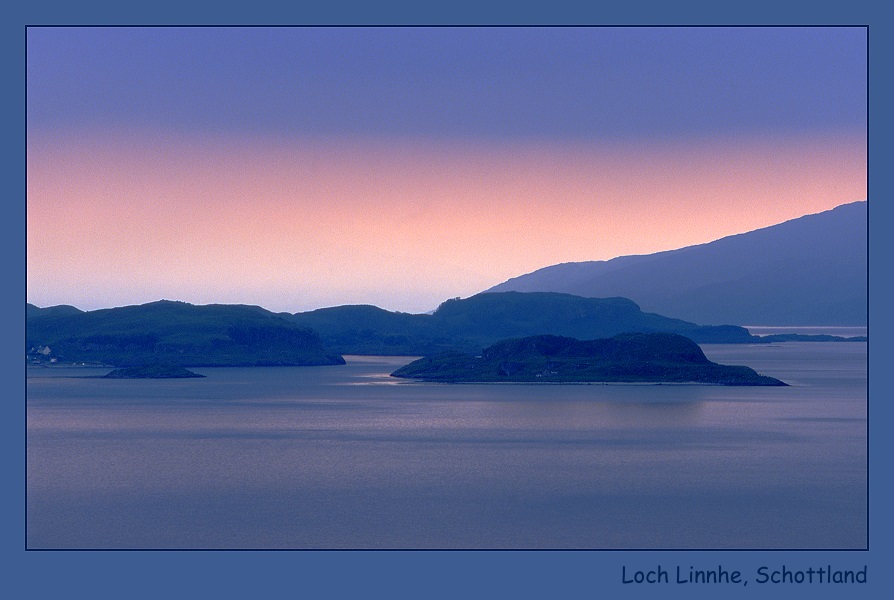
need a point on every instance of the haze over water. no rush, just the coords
(346, 457)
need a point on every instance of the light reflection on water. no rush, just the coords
(841, 331)
(346, 457)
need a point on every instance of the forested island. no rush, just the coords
(626, 358)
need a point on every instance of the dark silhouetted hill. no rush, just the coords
(470, 324)
(62, 310)
(174, 333)
(627, 358)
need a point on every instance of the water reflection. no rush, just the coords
(342, 457)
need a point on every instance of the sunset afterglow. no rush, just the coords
(126, 213)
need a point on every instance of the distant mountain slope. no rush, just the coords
(172, 332)
(808, 271)
(471, 324)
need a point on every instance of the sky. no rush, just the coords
(299, 168)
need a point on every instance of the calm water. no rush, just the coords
(762, 330)
(346, 457)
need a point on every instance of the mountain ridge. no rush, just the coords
(812, 270)
(222, 334)
(470, 324)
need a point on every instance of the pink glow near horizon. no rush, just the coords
(404, 225)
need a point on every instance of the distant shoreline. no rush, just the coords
(411, 357)
(845, 331)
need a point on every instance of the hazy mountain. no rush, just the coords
(174, 333)
(808, 271)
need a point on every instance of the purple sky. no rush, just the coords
(303, 167)
(585, 83)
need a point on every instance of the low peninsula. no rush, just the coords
(624, 358)
(155, 371)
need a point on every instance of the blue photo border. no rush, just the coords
(428, 574)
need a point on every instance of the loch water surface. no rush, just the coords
(348, 457)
